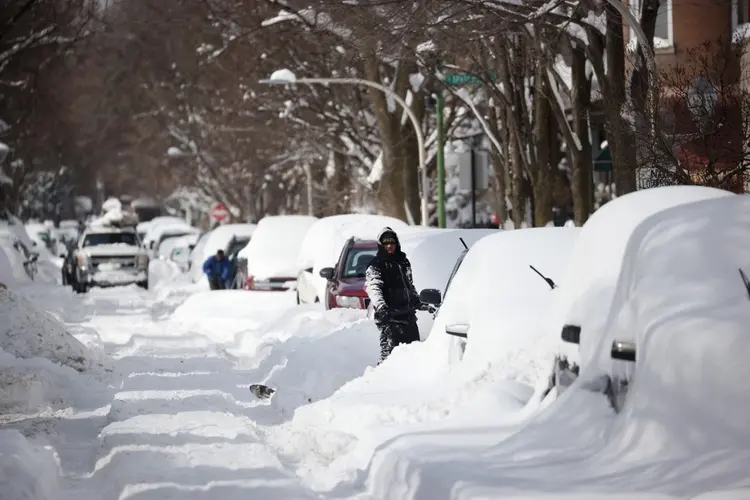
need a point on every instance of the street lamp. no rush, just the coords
(286, 77)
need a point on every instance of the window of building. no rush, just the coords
(739, 14)
(664, 32)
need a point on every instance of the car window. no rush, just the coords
(95, 239)
(455, 270)
(357, 261)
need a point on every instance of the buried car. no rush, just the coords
(578, 317)
(270, 259)
(498, 293)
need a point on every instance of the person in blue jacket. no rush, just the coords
(218, 269)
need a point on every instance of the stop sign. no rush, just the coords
(219, 212)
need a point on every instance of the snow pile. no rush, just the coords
(275, 246)
(226, 313)
(308, 353)
(162, 272)
(433, 254)
(26, 332)
(684, 430)
(503, 301)
(326, 238)
(597, 259)
(40, 360)
(27, 472)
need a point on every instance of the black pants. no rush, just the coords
(393, 334)
(216, 283)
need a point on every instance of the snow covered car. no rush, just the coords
(109, 256)
(578, 317)
(323, 244)
(269, 262)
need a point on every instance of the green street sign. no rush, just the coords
(464, 79)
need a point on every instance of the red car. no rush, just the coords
(346, 281)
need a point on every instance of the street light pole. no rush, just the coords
(288, 79)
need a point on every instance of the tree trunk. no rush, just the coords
(581, 183)
(619, 130)
(498, 165)
(544, 130)
(339, 186)
(390, 191)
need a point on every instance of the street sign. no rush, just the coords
(476, 168)
(219, 212)
(465, 79)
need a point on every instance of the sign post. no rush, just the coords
(454, 80)
(219, 213)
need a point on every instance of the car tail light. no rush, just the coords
(250, 283)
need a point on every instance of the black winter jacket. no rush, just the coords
(390, 285)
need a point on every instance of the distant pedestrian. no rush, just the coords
(218, 269)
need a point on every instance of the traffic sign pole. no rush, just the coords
(439, 107)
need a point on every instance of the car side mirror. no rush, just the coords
(191, 247)
(327, 273)
(431, 296)
(571, 334)
(624, 351)
(458, 330)
(309, 270)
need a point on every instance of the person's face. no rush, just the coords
(390, 246)
(219, 256)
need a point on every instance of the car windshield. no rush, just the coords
(357, 261)
(95, 239)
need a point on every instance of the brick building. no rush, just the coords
(692, 103)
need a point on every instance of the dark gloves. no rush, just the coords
(423, 306)
(382, 315)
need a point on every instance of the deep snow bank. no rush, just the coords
(223, 314)
(26, 332)
(435, 383)
(684, 430)
(27, 472)
(41, 362)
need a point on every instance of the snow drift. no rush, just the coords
(27, 472)
(684, 429)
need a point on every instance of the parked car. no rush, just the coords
(269, 262)
(323, 244)
(346, 281)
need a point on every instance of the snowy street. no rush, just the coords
(181, 422)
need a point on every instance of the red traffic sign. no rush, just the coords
(219, 212)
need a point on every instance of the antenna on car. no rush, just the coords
(549, 281)
(463, 243)
(745, 281)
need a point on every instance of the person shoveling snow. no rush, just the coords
(390, 286)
